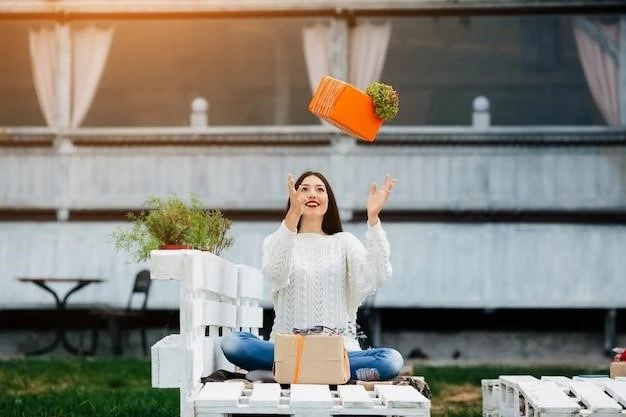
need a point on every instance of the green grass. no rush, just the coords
(121, 388)
(80, 388)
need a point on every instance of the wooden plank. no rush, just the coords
(220, 275)
(515, 380)
(617, 390)
(220, 394)
(598, 380)
(215, 313)
(308, 395)
(250, 317)
(401, 396)
(547, 397)
(594, 398)
(265, 395)
(250, 282)
(354, 396)
(168, 264)
(166, 361)
(491, 395)
(562, 381)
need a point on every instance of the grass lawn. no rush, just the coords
(121, 388)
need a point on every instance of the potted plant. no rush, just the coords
(171, 223)
(357, 113)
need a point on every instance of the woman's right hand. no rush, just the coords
(296, 204)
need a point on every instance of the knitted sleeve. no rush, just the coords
(368, 266)
(276, 262)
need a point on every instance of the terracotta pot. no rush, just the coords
(174, 247)
(346, 107)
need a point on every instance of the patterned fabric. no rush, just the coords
(322, 279)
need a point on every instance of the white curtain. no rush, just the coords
(317, 49)
(44, 62)
(89, 52)
(601, 69)
(90, 49)
(368, 50)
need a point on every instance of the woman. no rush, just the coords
(320, 275)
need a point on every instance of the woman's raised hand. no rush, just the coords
(296, 204)
(377, 198)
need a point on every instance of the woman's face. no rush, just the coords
(315, 196)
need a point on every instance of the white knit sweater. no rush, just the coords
(322, 279)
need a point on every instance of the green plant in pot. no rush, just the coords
(172, 223)
(386, 100)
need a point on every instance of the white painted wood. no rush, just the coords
(509, 393)
(210, 344)
(250, 317)
(219, 314)
(265, 395)
(166, 362)
(491, 395)
(561, 381)
(547, 397)
(167, 264)
(401, 396)
(597, 380)
(220, 275)
(594, 398)
(220, 360)
(354, 396)
(250, 282)
(218, 394)
(191, 344)
(313, 396)
(617, 390)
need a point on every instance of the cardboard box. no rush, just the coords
(618, 369)
(322, 359)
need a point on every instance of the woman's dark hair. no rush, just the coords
(331, 223)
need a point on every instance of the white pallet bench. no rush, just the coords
(553, 396)
(218, 297)
(319, 400)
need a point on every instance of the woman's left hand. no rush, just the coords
(377, 198)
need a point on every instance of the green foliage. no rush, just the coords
(385, 98)
(172, 221)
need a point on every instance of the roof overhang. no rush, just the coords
(102, 9)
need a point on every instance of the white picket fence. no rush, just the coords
(553, 396)
(218, 297)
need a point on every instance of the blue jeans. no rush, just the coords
(249, 352)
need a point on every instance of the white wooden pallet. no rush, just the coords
(221, 398)
(553, 396)
(217, 297)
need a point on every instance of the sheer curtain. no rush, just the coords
(317, 49)
(89, 51)
(368, 44)
(368, 50)
(598, 47)
(44, 63)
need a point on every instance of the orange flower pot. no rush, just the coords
(346, 107)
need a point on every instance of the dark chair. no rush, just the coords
(118, 318)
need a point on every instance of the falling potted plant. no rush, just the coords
(172, 223)
(357, 113)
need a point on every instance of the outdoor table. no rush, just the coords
(60, 307)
